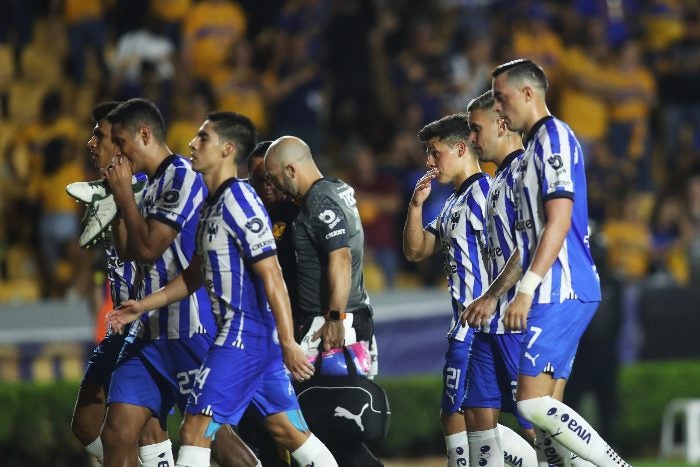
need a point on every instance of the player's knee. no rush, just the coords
(115, 435)
(535, 409)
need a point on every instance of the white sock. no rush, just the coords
(95, 448)
(570, 429)
(485, 448)
(157, 455)
(550, 452)
(193, 456)
(577, 461)
(457, 449)
(314, 453)
(516, 450)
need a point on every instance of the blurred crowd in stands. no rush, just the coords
(356, 79)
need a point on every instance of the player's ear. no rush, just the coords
(144, 134)
(291, 170)
(528, 92)
(229, 150)
(461, 148)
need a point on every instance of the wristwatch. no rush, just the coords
(335, 315)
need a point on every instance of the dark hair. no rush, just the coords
(136, 112)
(235, 128)
(484, 101)
(101, 110)
(452, 127)
(523, 69)
(259, 150)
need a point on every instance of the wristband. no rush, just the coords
(335, 315)
(529, 282)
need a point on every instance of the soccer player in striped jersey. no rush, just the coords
(559, 291)
(459, 232)
(236, 260)
(90, 406)
(495, 351)
(163, 352)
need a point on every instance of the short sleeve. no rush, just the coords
(557, 148)
(330, 227)
(180, 196)
(248, 222)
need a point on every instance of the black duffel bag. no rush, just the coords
(344, 408)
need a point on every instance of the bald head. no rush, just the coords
(288, 149)
(290, 166)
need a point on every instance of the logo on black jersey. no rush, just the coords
(330, 218)
(327, 216)
(556, 162)
(255, 225)
(171, 197)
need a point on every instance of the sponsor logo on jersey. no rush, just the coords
(171, 196)
(335, 233)
(255, 225)
(258, 246)
(555, 162)
(521, 225)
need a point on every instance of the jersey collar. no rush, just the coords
(535, 128)
(508, 160)
(212, 197)
(473, 178)
(164, 165)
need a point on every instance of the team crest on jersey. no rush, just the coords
(255, 225)
(212, 230)
(555, 161)
(494, 198)
(454, 220)
(278, 229)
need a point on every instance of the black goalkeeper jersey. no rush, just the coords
(328, 220)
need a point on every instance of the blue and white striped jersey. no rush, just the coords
(500, 238)
(552, 167)
(234, 232)
(121, 274)
(174, 196)
(460, 228)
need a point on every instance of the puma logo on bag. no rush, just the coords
(345, 413)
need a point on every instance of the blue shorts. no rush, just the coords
(103, 360)
(493, 373)
(232, 378)
(454, 374)
(158, 374)
(553, 333)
